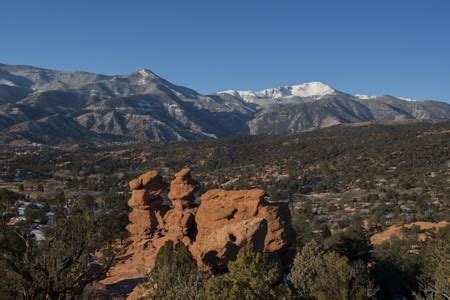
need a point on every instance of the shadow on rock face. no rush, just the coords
(229, 240)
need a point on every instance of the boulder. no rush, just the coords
(223, 244)
(146, 180)
(181, 221)
(145, 199)
(135, 184)
(150, 178)
(182, 190)
(221, 209)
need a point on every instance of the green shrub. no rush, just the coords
(175, 275)
(321, 274)
(250, 276)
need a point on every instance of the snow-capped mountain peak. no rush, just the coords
(309, 89)
(145, 73)
(142, 76)
(312, 89)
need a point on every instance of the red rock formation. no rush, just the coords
(146, 218)
(398, 231)
(182, 190)
(147, 204)
(180, 221)
(215, 231)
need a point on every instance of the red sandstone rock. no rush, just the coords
(150, 178)
(136, 229)
(222, 209)
(145, 180)
(182, 190)
(279, 231)
(180, 224)
(141, 217)
(223, 244)
(147, 213)
(135, 184)
(145, 199)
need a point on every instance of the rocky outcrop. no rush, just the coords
(147, 204)
(224, 223)
(146, 220)
(424, 228)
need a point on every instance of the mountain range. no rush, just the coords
(54, 107)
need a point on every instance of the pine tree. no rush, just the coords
(250, 276)
(321, 274)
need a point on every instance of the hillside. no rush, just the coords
(342, 162)
(376, 193)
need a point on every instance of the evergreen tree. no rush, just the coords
(174, 276)
(319, 274)
(250, 276)
(352, 243)
(434, 282)
(71, 254)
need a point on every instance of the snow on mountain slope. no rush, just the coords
(406, 99)
(364, 97)
(368, 97)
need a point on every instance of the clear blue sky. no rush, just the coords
(400, 47)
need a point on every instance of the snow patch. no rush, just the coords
(365, 97)
(7, 82)
(144, 73)
(407, 99)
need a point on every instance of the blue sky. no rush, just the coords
(398, 47)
